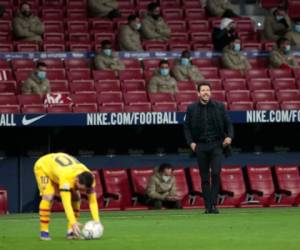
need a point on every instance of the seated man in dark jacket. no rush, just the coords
(222, 36)
(161, 189)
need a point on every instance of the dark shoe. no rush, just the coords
(214, 210)
(207, 211)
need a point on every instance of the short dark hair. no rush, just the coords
(235, 37)
(152, 6)
(281, 40)
(164, 166)
(185, 53)
(86, 179)
(199, 85)
(25, 2)
(105, 42)
(41, 64)
(132, 17)
(163, 61)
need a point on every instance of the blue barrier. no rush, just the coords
(138, 118)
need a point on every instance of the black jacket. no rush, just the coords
(192, 122)
(221, 38)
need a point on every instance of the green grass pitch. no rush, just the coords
(242, 229)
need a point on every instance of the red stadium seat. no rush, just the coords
(181, 187)
(140, 178)
(76, 63)
(198, 25)
(100, 36)
(155, 46)
(80, 47)
(76, 14)
(261, 184)
(195, 187)
(84, 98)
(8, 87)
(210, 72)
(284, 84)
(267, 105)
(204, 62)
(259, 84)
(27, 47)
(110, 97)
(82, 85)
(79, 37)
(109, 85)
(164, 107)
(130, 74)
(172, 14)
(263, 96)
(133, 85)
(54, 63)
(111, 107)
(216, 84)
(85, 108)
(290, 105)
(280, 73)
(22, 63)
(233, 188)
(53, 26)
(177, 25)
(293, 9)
(186, 96)
(51, 47)
(6, 47)
(56, 74)
(258, 62)
(218, 95)
(179, 46)
(135, 97)
(79, 74)
(201, 37)
(104, 75)
(202, 47)
(34, 108)
(257, 73)
(4, 64)
(186, 86)
(138, 107)
(30, 99)
(150, 64)
(182, 107)
(234, 84)
(239, 106)
(8, 99)
(5, 26)
(288, 95)
(161, 97)
(132, 64)
(252, 46)
(59, 108)
(268, 4)
(22, 74)
(77, 4)
(117, 189)
(52, 13)
(230, 73)
(288, 181)
(101, 25)
(238, 96)
(15, 109)
(194, 14)
(3, 201)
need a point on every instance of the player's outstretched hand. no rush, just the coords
(77, 229)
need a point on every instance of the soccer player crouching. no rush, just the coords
(62, 174)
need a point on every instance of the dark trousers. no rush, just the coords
(209, 157)
(229, 13)
(158, 204)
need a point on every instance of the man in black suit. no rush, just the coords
(209, 132)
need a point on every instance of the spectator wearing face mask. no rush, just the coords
(37, 82)
(153, 26)
(161, 189)
(162, 82)
(281, 56)
(184, 70)
(233, 58)
(106, 59)
(222, 36)
(129, 35)
(27, 26)
(278, 24)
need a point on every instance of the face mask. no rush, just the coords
(164, 72)
(138, 26)
(279, 18)
(107, 52)
(166, 178)
(41, 75)
(297, 28)
(237, 47)
(26, 13)
(185, 61)
(287, 49)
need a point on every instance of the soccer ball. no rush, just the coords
(92, 230)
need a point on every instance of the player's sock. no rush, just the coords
(76, 208)
(45, 211)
